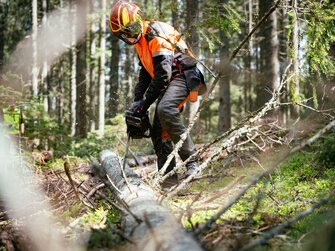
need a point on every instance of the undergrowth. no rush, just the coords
(298, 183)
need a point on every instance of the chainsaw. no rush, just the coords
(138, 127)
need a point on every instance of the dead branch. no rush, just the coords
(68, 174)
(233, 137)
(281, 157)
(94, 190)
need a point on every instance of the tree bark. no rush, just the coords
(73, 55)
(224, 122)
(81, 125)
(295, 88)
(114, 77)
(35, 69)
(2, 116)
(145, 221)
(45, 68)
(93, 76)
(248, 90)
(3, 22)
(192, 17)
(269, 64)
(81, 98)
(102, 70)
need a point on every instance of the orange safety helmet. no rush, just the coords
(125, 22)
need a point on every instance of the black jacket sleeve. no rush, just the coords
(142, 84)
(162, 71)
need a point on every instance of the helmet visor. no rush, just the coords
(131, 33)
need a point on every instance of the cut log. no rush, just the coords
(145, 221)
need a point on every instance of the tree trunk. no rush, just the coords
(3, 23)
(35, 69)
(295, 87)
(248, 86)
(44, 76)
(81, 68)
(224, 122)
(81, 125)
(93, 76)
(114, 77)
(192, 18)
(175, 14)
(102, 70)
(2, 116)
(269, 63)
(128, 83)
(145, 221)
(61, 96)
(73, 55)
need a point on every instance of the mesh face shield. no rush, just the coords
(131, 33)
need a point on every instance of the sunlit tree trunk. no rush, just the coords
(224, 122)
(73, 92)
(44, 76)
(35, 69)
(114, 77)
(295, 88)
(248, 107)
(93, 89)
(102, 70)
(60, 85)
(89, 65)
(61, 95)
(275, 67)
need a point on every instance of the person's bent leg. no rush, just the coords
(163, 147)
(169, 116)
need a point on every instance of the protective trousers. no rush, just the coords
(167, 117)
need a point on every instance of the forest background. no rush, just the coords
(68, 80)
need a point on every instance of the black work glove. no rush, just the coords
(138, 125)
(138, 109)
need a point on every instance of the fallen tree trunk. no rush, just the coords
(145, 221)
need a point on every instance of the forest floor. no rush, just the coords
(85, 208)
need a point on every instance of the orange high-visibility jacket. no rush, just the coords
(163, 54)
(159, 39)
(157, 50)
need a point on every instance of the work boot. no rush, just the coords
(191, 168)
(170, 182)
